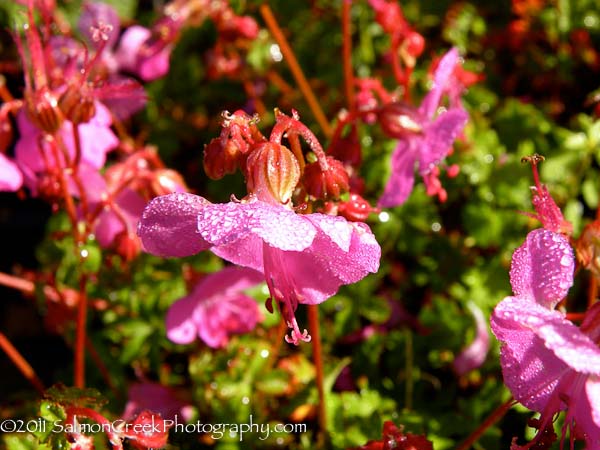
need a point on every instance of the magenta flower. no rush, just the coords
(216, 308)
(155, 397)
(135, 56)
(425, 136)
(304, 258)
(11, 178)
(475, 353)
(550, 365)
(33, 152)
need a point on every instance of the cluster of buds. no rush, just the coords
(275, 172)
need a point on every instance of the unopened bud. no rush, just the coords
(42, 109)
(328, 183)
(587, 248)
(221, 159)
(356, 209)
(272, 173)
(167, 181)
(77, 104)
(148, 430)
(399, 120)
(127, 245)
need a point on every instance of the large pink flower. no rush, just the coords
(216, 308)
(304, 258)
(426, 137)
(548, 363)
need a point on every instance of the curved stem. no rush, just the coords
(292, 62)
(21, 363)
(80, 334)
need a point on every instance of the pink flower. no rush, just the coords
(425, 136)
(156, 398)
(121, 217)
(33, 151)
(11, 178)
(475, 353)
(304, 258)
(216, 308)
(133, 55)
(550, 365)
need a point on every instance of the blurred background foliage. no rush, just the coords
(540, 69)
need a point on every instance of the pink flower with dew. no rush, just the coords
(33, 151)
(11, 178)
(134, 56)
(156, 398)
(304, 258)
(550, 365)
(216, 308)
(425, 136)
(475, 353)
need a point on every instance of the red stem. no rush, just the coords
(80, 334)
(73, 412)
(21, 363)
(347, 54)
(313, 324)
(292, 62)
(494, 417)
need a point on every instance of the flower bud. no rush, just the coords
(148, 430)
(42, 108)
(399, 120)
(272, 172)
(167, 181)
(357, 209)
(221, 159)
(127, 245)
(77, 104)
(347, 149)
(328, 183)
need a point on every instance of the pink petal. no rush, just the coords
(228, 280)
(11, 178)
(402, 178)
(169, 225)
(109, 225)
(222, 224)
(542, 268)
(475, 353)
(439, 137)
(158, 398)
(179, 321)
(531, 371)
(592, 389)
(155, 66)
(441, 79)
(247, 252)
(129, 47)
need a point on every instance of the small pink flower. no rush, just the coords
(425, 137)
(155, 397)
(304, 258)
(133, 55)
(11, 178)
(216, 308)
(475, 353)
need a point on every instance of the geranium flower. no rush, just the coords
(304, 258)
(33, 154)
(425, 136)
(216, 308)
(550, 365)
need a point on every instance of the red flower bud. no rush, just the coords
(43, 110)
(148, 430)
(399, 120)
(414, 44)
(221, 159)
(587, 248)
(77, 104)
(357, 209)
(272, 172)
(328, 183)
(127, 245)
